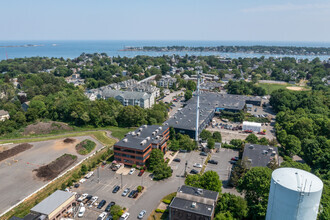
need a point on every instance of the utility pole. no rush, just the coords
(199, 71)
(185, 168)
(121, 178)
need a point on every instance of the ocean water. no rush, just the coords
(72, 49)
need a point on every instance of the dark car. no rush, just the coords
(177, 160)
(101, 204)
(109, 217)
(88, 198)
(116, 189)
(131, 194)
(193, 171)
(234, 158)
(136, 193)
(213, 161)
(183, 151)
(107, 209)
(141, 173)
(203, 154)
(76, 185)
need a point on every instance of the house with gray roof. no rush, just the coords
(193, 203)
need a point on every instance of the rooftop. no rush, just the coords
(260, 155)
(298, 180)
(52, 202)
(143, 137)
(187, 205)
(198, 192)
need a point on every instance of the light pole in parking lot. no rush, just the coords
(121, 180)
(98, 175)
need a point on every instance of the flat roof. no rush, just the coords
(186, 205)
(52, 202)
(257, 153)
(132, 140)
(198, 192)
(252, 123)
(298, 180)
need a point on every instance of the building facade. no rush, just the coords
(137, 145)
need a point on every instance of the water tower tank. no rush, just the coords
(294, 194)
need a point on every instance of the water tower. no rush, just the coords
(294, 195)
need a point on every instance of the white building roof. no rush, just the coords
(297, 180)
(249, 123)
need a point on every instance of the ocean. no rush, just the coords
(72, 49)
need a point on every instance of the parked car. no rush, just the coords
(234, 158)
(203, 154)
(213, 162)
(183, 151)
(193, 171)
(233, 161)
(136, 193)
(131, 194)
(81, 212)
(262, 133)
(101, 204)
(131, 171)
(116, 189)
(126, 191)
(102, 216)
(198, 165)
(142, 214)
(177, 160)
(76, 185)
(107, 209)
(89, 197)
(141, 173)
(109, 217)
(82, 197)
(93, 200)
(124, 216)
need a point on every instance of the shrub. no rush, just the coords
(85, 147)
(166, 201)
(139, 188)
(160, 210)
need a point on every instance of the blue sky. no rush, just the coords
(248, 20)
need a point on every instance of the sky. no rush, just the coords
(207, 20)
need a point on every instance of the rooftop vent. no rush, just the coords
(200, 191)
(270, 149)
(133, 133)
(176, 122)
(140, 129)
(145, 126)
(251, 146)
(138, 134)
(153, 133)
(160, 128)
(250, 160)
(125, 140)
(193, 205)
(264, 151)
(148, 138)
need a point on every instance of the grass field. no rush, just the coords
(272, 87)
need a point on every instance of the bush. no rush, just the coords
(166, 201)
(139, 188)
(85, 147)
(160, 210)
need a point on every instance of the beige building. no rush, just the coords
(4, 115)
(54, 206)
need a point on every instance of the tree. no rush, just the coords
(217, 136)
(233, 204)
(224, 216)
(156, 157)
(255, 185)
(252, 139)
(211, 143)
(188, 95)
(162, 171)
(209, 180)
(295, 164)
(116, 211)
(205, 134)
(292, 145)
(263, 141)
(193, 180)
(191, 85)
(83, 169)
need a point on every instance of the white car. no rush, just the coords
(93, 200)
(102, 216)
(131, 171)
(81, 212)
(198, 165)
(82, 197)
(126, 191)
(142, 214)
(89, 175)
(124, 216)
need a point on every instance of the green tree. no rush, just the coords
(156, 157)
(292, 145)
(224, 216)
(252, 139)
(233, 204)
(205, 134)
(210, 180)
(193, 180)
(191, 85)
(188, 95)
(116, 211)
(162, 171)
(210, 143)
(295, 164)
(217, 136)
(255, 185)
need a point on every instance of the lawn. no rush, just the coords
(272, 87)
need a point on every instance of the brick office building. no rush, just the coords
(136, 147)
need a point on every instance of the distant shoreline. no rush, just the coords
(25, 45)
(257, 49)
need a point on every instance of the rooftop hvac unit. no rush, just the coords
(200, 191)
(153, 133)
(251, 146)
(193, 205)
(177, 122)
(148, 138)
(140, 129)
(138, 134)
(160, 128)
(125, 139)
(133, 133)
(145, 126)
(250, 160)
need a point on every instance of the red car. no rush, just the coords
(248, 131)
(234, 158)
(262, 133)
(141, 173)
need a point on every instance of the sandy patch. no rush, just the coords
(295, 88)
(60, 145)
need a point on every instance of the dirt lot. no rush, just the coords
(14, 151)
(295, 88)
(45, 127)
(53, 169)
(17, 177)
